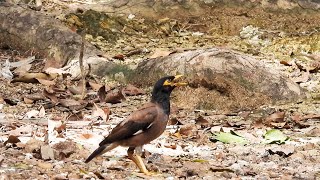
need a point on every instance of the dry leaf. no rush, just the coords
(32, 113)
(202, 121)
(61, 128)
(114, 97)
(258, 123)
(45, 82)
(131, 90)
(187, 130)
(31, 77)
(98, 112)
(77, 89)
(12, 140)
(277, 117)
(69, 102)
(51, 96)
(94, 86)
(283, 150)
(102, 93)
(42, 112)
(86, 136)
(35, 96)
(27, 100)
(75, 117)
(174, 121)
(285, 63)
(160, 53)
(22, 69)
(64, 149)
(119, 56)
(172, 146)
(53, 71)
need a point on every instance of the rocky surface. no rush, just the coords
(222, 78)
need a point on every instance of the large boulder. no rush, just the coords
(221, 79)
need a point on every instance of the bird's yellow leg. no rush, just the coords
(138, 161)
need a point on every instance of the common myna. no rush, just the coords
(143, 125)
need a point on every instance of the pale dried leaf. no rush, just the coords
(160, 53)
(42, 112)
(98, 112)
(45, 82)
(32, 113)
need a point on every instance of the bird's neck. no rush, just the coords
(162, 101)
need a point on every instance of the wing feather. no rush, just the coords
(139, 120)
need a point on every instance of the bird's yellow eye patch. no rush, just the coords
(168, 83)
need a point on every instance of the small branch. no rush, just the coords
(83, 74)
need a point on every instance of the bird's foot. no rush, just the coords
(146, 174)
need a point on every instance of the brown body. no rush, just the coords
(141, 127)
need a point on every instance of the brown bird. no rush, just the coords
(143, 125)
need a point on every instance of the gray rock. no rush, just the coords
(222, 79)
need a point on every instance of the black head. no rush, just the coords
(164, 86)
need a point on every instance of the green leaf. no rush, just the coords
(230, 137)
(275, 136)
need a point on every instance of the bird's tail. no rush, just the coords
(101, 150)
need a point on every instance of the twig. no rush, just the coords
(83, 75)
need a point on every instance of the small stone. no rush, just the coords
(47, 152)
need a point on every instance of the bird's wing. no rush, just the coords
(140, 120)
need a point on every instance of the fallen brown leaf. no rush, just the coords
(202, 121)
(276, 120)
(119, 56)
(174, 121)
(12, 140)
(35, 96)
(33, 145)
(27, 100)
(45, 82)
(61, 128)
(285, 63)
(187, 130)
(64, 149)
(75, 117)
(114, 97)
(131, 90)
(86, 136)
(94, 85)
(102, 93)
(51, 96)
(171, 146)
(77, 89)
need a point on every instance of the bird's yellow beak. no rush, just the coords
(174, 82)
